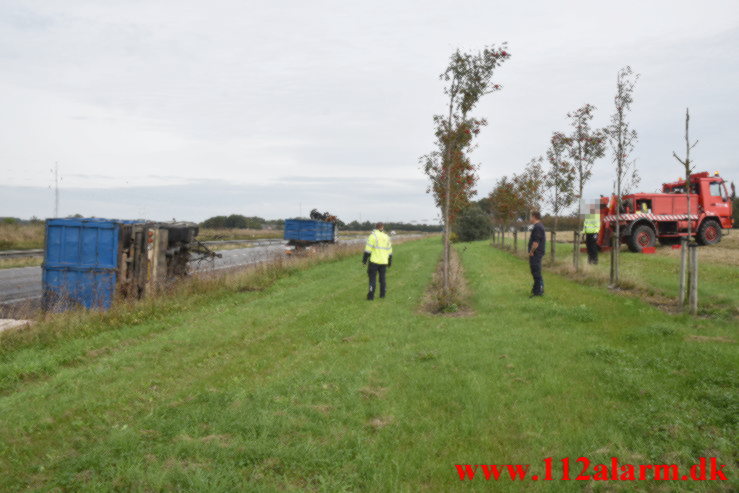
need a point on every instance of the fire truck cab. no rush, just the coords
(645, 217)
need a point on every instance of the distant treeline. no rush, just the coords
(564, 223)
(237, 221)
(368, 225)
(19, 222)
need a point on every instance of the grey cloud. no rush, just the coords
(148, 92)
(350, 199)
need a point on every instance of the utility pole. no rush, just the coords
(56, 189)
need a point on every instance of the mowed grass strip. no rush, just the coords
(658, 274)
(307, 386)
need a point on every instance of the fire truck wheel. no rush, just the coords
(709, 233)
(641, 236)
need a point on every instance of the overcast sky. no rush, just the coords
(182, 109)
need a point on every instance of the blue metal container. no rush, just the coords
(81, 262)
(308, 230)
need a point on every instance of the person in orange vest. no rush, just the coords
(379, 252)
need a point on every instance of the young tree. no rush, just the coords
(688, 168)
(585, 145)
(559, 182)
(622, 139)
(529, 187)
(468, 77)
(505, 202)
(473, 224)
(530, 184)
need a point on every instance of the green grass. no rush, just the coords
(12, 263)
(718, 288)
(306, 386)
(21, 236)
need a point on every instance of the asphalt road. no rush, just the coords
(20, 284)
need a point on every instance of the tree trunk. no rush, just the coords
(613, 255)
(615, 270)
(683, 271)
(576, 247)
(445, 270)
(693, 279)
(616, 255)
(554, 237)
(447, 206)
(515, 241)
(689, 282)
(617, 248)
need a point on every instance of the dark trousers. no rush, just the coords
(591, 242)
(372, 271)
(535, 264)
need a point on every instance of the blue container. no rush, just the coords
(81, 262)
(308, 230)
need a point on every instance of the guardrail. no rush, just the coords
(40, 252)
(263, 242)
(21, 253)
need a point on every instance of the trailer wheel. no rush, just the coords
(709, 233)
(641, 236)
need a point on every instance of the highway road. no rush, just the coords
(20, 284)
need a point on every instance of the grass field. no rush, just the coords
(21, 236)
(658, 275)
(306, 386)
(27, 236)
(11, 263)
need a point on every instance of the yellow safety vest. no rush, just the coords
(379, 247)
(591, 224)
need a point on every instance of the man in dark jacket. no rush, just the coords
(537, 248)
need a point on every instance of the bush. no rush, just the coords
(473, 224)
(233, 221)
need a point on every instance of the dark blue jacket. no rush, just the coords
(538, 234)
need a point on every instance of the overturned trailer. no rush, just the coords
(303, 233)
(92, 262)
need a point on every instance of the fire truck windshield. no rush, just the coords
(717, 190)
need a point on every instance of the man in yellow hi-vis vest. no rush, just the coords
(591, 228)
(379, 252)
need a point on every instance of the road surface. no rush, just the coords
(20, 284)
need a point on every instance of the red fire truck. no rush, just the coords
(645, 217)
